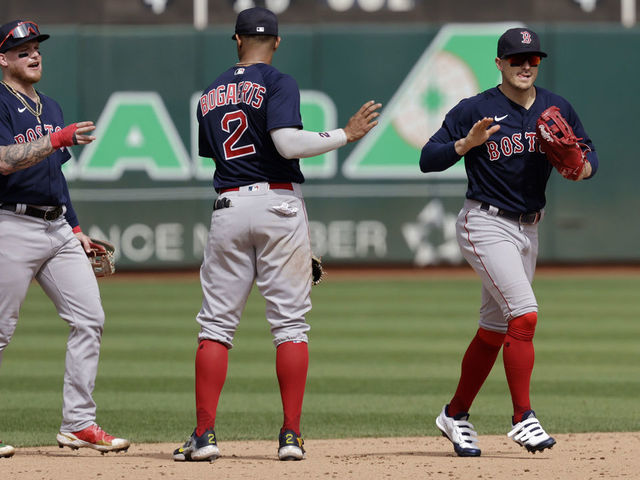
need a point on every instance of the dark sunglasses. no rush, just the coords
(22, 30)
(518, 60)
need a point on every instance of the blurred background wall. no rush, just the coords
(172, 12)
(137, 67)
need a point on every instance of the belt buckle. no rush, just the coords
(50, 215)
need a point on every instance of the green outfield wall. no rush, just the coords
(143, 186)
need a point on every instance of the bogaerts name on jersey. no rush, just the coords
(249, 93)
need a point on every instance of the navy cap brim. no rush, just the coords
(523, 50)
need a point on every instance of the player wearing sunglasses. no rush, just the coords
(497, 228)
(40, 236)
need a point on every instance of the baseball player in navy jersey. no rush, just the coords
(497, 228)
(40, 234)
(250, 124)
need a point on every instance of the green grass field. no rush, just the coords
(385, 357)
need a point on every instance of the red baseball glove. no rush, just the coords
(562, 147)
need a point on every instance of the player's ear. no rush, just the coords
(3, 60)
(499, 63)
(277, 43)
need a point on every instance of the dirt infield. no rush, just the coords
(576, 456)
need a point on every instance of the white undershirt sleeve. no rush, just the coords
(297, 143)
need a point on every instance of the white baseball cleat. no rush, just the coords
(6, 451)
(530, 434)
(460, 432)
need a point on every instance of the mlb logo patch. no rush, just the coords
(259, 29)
(239, 71)
(253, 188)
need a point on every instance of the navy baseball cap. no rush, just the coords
(14, 34)
(519, 40)
(256, 21)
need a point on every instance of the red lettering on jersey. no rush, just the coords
(204, 105)
(531, 140)
(211, 100)
(220, 96)
(232, 94)
(492, 149)
(231, 149)
(39, 131)
(506, 146)
(20, 138)
(31, 135)
(518, 147)
(48, 128)
(258, 98)
(247, 90)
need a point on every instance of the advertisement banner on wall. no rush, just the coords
(150, 194)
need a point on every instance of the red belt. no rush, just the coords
(272, 186)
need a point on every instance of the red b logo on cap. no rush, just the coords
(526, 37)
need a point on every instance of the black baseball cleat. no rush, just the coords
(291, 446)
(198, 448)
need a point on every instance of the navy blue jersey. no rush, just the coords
(509, 170)
(236, 113)
(43, 183)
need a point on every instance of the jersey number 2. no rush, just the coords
(231, 150)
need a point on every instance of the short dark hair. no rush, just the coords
(258, 39)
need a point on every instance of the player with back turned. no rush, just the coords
(40, 234)
(250, 124)
(503, 142)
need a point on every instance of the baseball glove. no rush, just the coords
(102, 257)
(317, 272)
(562, 147)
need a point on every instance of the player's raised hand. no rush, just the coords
(84, 127)
(362, 121)
(479, 134)
(73, 135)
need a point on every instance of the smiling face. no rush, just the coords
(22, 64)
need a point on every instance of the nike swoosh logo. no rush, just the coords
(20, 110)
(497, 119)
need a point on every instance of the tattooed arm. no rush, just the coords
(24, 155)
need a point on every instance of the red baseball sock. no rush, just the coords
(211, 372)
(292, 361)
(476, 365)
(518, 356)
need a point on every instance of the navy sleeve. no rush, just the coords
(70, 214)
(283, 108)
(578, 129)
(6, 134)
(439, 153)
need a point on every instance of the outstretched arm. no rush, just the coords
(442, 151)
(24, 155)
(296, 143)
